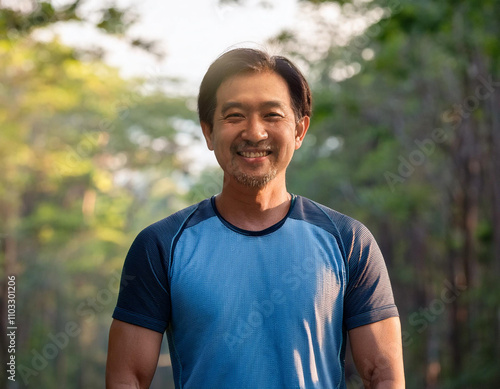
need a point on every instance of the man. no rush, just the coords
(255, 287)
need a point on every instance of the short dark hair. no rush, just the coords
(241, 60)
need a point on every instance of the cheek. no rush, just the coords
(221, 147)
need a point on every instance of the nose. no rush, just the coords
(254, 131)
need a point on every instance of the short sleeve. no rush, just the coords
(368, 296)
(143, 299)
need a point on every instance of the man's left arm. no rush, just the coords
(378, 354)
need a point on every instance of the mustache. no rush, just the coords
(245, 145)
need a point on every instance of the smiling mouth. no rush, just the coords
(254, 154)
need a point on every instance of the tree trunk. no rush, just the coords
(495, 199)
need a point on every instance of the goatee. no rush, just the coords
(255, 181)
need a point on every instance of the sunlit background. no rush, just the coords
(99, 137)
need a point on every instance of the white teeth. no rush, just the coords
(253, 155)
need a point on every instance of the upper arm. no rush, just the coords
(378, 354)
(133, 353)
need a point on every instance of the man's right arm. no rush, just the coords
(133, 353)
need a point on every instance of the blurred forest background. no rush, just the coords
(405, 137)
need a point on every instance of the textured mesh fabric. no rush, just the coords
(246, 309)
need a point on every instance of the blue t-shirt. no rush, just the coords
(246, 309)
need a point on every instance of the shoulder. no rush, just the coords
(168, 227)
(327, 218)
(352, 236)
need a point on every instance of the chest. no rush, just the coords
(218, 274)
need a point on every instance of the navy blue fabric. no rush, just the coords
(144, 298)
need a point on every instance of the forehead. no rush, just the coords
(254, 87)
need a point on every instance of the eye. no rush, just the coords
(274, 115)
(234, 115)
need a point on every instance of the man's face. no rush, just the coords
(255, 132)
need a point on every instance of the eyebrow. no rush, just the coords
(236, 104)
(229, 105)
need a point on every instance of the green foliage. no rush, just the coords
(75, 143)
(401, 145)
(404, 141)
(30, 15)
(42, 15)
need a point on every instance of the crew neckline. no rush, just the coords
(265, 231)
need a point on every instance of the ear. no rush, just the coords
(301, 130)
(207, 133)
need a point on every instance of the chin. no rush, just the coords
(255, 181)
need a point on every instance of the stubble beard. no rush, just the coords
(255, 181)
(249, 180)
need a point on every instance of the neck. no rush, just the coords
(253, 209)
